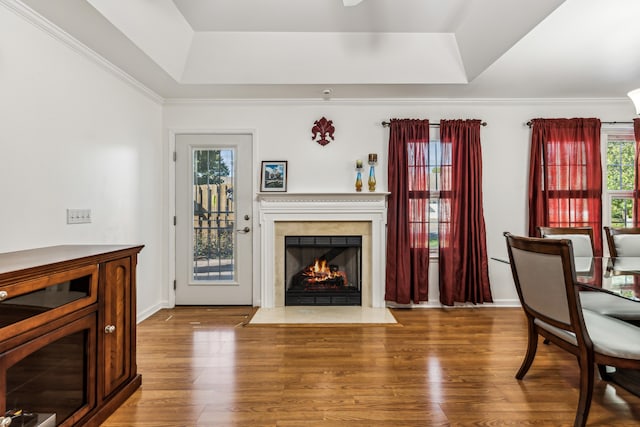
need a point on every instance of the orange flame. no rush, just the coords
(320, 272)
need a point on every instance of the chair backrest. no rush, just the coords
(544, 276)
(581, 238)
(623, 242)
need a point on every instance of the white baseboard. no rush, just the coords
(150, 311)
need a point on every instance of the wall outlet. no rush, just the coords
(78, 216)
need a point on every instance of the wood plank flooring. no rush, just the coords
(203, 366)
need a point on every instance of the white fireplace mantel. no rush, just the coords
(290, 207)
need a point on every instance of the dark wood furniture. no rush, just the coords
(545, 280)
(68, 331)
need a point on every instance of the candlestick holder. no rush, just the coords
(358, 179)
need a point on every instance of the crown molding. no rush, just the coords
(40, 22)
(393, 101)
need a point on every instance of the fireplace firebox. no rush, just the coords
(323, 270)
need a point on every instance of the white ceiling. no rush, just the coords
(376, 49)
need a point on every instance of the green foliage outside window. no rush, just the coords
(210, 244)
(210, 167)
(621, 177)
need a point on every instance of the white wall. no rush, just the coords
(73, 135)
(283, 132)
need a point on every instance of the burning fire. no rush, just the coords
(321, 271)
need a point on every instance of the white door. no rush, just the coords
(213, 219)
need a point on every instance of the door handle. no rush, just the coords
(244, 230)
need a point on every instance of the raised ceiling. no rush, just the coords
(375, 49)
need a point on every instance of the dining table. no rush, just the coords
(620, 276)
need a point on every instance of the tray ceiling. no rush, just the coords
(375, 49)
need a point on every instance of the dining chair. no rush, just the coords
(623, 242)
(545, 278)
(581, 238)
(583, 249)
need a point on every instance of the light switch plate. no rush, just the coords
(78, 216)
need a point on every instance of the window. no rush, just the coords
(566, 184)
(425, 184)
(566, 168)
(620, 174)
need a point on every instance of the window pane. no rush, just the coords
(433, 237)
(620, 161)
(621, 212)
(213, 215)
(434, 165)
(425, 184)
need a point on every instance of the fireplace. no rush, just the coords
(322, 214)
(323, 270)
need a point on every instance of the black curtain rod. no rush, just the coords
(604, 123)
(431, 125)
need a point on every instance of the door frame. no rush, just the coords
(171, 208)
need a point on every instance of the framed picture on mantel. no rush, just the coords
(273, 175)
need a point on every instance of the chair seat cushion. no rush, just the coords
(610, 336)
(610, 305)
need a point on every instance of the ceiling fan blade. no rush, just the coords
(348, 3)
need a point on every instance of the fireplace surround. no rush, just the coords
(318, 214)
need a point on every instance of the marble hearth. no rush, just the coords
(286, 214)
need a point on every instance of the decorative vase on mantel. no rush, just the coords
(373, 159)
(359, 176)
(372, 179)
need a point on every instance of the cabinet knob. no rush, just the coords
(3, 296)
(109, 329)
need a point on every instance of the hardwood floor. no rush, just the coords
(437, 367)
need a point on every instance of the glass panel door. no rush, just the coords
(214, 219)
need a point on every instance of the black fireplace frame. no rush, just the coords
(347, 297)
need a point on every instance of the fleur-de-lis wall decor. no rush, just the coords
(323, 129)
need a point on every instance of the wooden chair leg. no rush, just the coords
(532, 346)
(586, 390)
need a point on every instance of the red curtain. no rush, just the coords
(463, 261)
(565, 176)
(407, 272)
(636, 187)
